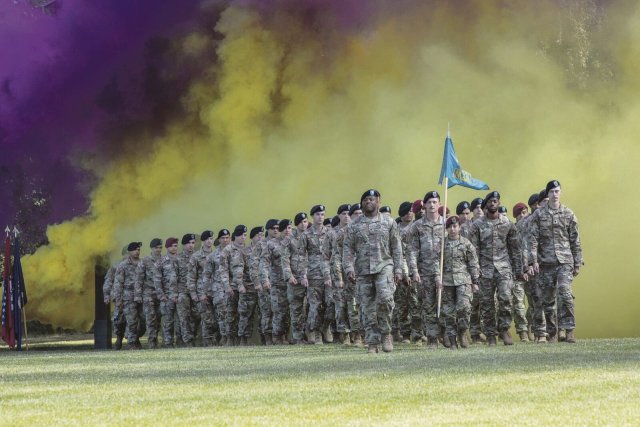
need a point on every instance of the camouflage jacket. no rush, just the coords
(312, 242)
(274, 262)
(371, 244)
(523, 238)
(182, 271)
(460, 263)
(212, 263)
(498, 247)
(464, 229)
(145, 275)
(425, 243)
(107, 286)
(196, 284)
(124, 281)
(166, 280)
(337, 246)
(254, 263)
(554, 237)
(297, 255)
(236, 270)
(403, 229)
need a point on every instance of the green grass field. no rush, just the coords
(593, 382)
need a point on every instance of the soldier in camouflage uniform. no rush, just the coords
(118, 320)
(372, 258)
(146, 273)
(263, 310)
(333, 251)
(125, 297)
(318, 275)
(475, 325)
(213, 282)
(183, 305)
(459, 279)
(272, 275)
(496, 241)
(296, 282)
(166, 284)
(520, 212)
(418, 209)
(425, 240)
(200, 290)
(556, 255)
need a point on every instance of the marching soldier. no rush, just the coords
(200, 290)
(254, 270)
(183, 305)
(212, 279)
(146, 273)
(118, 320)
(521, 287)
(125, 296)
(166, 284)
(296, 282)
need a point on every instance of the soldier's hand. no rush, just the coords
(293, 281)
(474, 288)
(416, 277)
(525, 277)
(351, 276)
(339, 284)
(229, 290)
(242, 289)
(327, 283)
(258, 288)
(536, 268)
(107, 301)
(203, 298)
(530, 271)
(267, 286)
(576, 270)
(305, 282)
(439, 284)
(397, 277)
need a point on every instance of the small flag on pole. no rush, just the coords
(453, 171)
(8, 332)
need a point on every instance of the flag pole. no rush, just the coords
(444, 231)
(24, 314)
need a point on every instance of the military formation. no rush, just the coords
(360, 278)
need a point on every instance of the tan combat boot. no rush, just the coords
(243, 342)
(562, 335)
(570, 337)
(552, 339)
(387, 343)
(328, 334)
(318, 338)
(541, 340)
(524, 336)
(462, 340)
(268, 339)
(373, 349)
(491, 341)
(397, 336)
(506, 338)
(347, 339)
(445, 341)
(406, 340)
(357, 341)
(432, 343)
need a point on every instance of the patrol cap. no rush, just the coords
(335, 221)
(492, 195)
(239, 230)
(441, 210)
(533, 199)
(255, 231)
(299, 217)
(417, 206)
(551, 185)
(206, 234)
(461, 207)
(452, 220)
(371, 192)
(475, 203)
(271, 223)
(170, 242)
(355, 207)
(133, 246)
(223, 232)
(283, 224)
(344, 208)
(385, 209)
(431, 195)
(502, 209)
(188, 237)
(405, 208)
(317, 208)
(155, 242)
(518, 208)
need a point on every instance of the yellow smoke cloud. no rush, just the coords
(298, 113)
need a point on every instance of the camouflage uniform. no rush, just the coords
(166, 283)
(460, 270)
(124, 295)
(145, 274)
(264, 295)
(118, 320)
(373, 251)
(554, 243)
(406, 315)
(312, 242)
(521, 287)
(184, 306)
(350, 304)
(272, 271)
(498, 247)
(336, 298)
(236, 273)
(297, 293)
(202, 294)
(475, 326)
(213, 281)
(425, 240)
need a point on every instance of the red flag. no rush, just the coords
(8, 332)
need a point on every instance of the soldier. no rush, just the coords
(372, 258)
(425, 239)
(385, 210)
(296, 282)
(183, 306)
(125, 297)
(459, 279)
(418, 210)
(475, 325)
(118, 320)
(502, 210)
(406, 315)
(496, 241)
(355, 212)
(264, 296)
(521, 287)
(200, 290)
(272, 276)
(254, 269)
(166, 284)
(463, 211)
(333, 254)
(318, 275)
(476, 208)
(556, 255)
(144, 285)
(327, 223)
(213, 281)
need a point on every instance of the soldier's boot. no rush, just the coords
(446, 341)
(552, 339)
(268, 339)
(562, 335)
(179, 342)
(432, 343)
(524, 336)
(387, 343)
(506, 338)
(530, 333)
(167, 344)
(133, 346)
(397, 336)
(138, 344)
(243, 342)
(475, 339)
(347, 339)
(118, 342)
(570, 337)
(357, 340)
(541, 340)
(373, 349)
(491, 340)
(318, 338)
(228, 342)
(462, 340)
(406, 340)
(152, 344)
(453, 345)
(328, 334)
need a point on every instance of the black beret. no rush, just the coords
(431, 195)
(223, 232)
(344, 208)
(461, 207)
(405, 208)
(385, 209)
(327, 221)
(533, 199)
(299, 217)
(283, 224)
(492, 195)
(255, 231)
(206, 234)
(483, 204)
(355, 207)
(133, 246)
(502, 209)
(542, 195)
(317, 208)
(271, 223)
(155, 242)
(335, 221)
(475, 202)
(398, 220)
(239, 230)
(368, 193)
(188, 237)
(551, 185)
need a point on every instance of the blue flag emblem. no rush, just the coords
(453, 171)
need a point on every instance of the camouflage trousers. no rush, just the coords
(429, 309)
(207, 319)
(316, 297)
(554, 280)
(329, 307)
(279, 308)
(169, 317)
(247, 307)
(295, 296)
(475, 326)
(231, 314)
(519, 312)
(529, 288)
(406, 314)
(119, 321)
(340, 311)
(135, 321)
(220, 310)
(183, 307)
(352, 306)
(151, 309)
(266, 317)
(456, 308)
(502, 288)
(376, 296)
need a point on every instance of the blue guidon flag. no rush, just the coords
(453, 171)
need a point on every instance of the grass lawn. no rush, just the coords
(593, 382)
